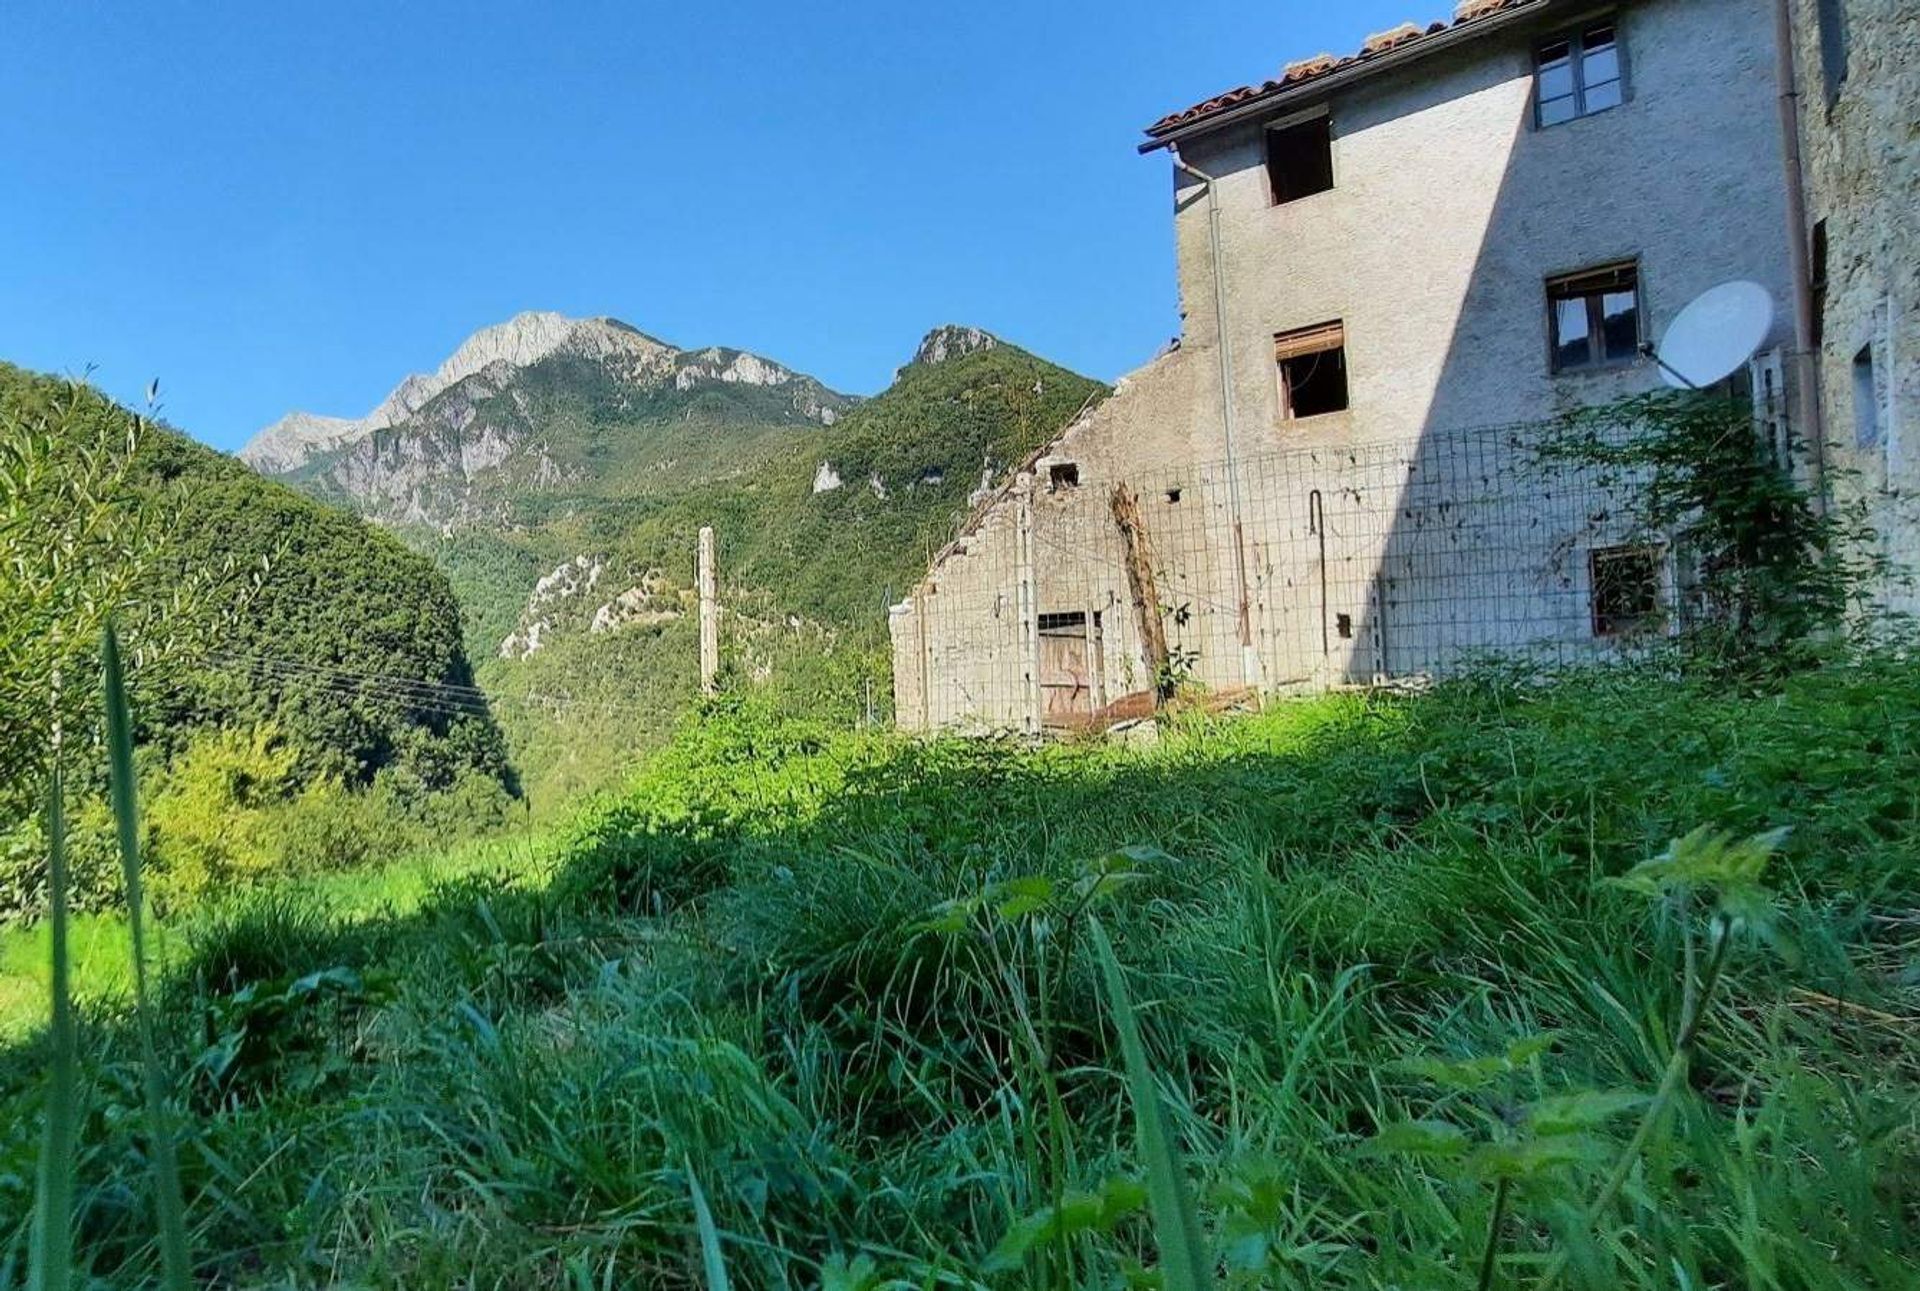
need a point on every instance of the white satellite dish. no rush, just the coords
(1718, 331)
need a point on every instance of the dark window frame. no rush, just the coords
(1315, 344)
(1649, 589)
(1062, 475)
(1580, 47)
(1593, 286)
(1320, 182)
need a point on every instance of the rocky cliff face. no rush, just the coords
(950, 341)
(538, 403)
(293, 439)
(574, 598)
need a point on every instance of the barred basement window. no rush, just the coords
(1578, 76)
(1594, 317)
(1063, 475)
(1312, 365)
(1624, 585)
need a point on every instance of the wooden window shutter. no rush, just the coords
(1619, 277)
(1309, 340)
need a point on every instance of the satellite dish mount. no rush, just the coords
(1719, 330)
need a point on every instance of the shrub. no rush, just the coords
(211, 811)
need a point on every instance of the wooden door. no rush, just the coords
(1066, 671)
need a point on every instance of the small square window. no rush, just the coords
(1593, 318)
(1625, 589)
(1312, 365)
(1578, 76)
(1300, 160)
(1063, 475)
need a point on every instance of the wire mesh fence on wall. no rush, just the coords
(1073, 602)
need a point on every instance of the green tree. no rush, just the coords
(80, 541)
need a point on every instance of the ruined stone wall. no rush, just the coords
(1359, 563)
(1861, 151)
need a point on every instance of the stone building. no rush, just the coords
(1390, 263)
(1859, 112)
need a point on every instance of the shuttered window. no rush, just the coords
(1310, 340)
(1312, 364)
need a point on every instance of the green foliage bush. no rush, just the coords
(231, 813)
(209, 817)
(1773, 569)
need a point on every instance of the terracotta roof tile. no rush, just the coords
(1311, 69)
(1305, 68)
(1380, 42)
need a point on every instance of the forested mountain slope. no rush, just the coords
(256, 616)
(827, 528)
(560, 470)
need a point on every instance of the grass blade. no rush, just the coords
(1183, 1263)
(169, 1209)
(709, 1235)
(50, 1258)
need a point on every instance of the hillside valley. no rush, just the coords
(559, 471)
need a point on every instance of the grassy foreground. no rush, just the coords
(100, 955)
(847, 991)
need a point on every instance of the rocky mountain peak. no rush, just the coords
(294, 438)
(951, 341)
(520, 342)
(538, 403)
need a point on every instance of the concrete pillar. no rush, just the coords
(1029, 612)
(709, 616)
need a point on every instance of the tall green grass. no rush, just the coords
(852, 989)
(169, 1209)
(50, 1266)
(1183, 1263)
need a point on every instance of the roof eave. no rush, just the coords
(1319, 86)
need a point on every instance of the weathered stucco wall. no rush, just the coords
(1451, 209)
(1386, 539)
(1861, 150)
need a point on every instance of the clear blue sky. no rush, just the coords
(271, 206)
